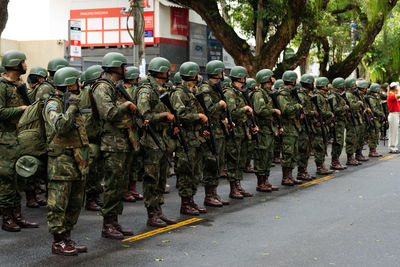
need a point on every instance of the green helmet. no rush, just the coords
(27, 166)
(177, 78)
(264, 75)
(214, 67)
(338, 83)
(350, 82)
(363, 84)
(132, 73)
(322, 81)
(93, 72)
(83, 78)
(251, 83)
(144, 80)
(113, 59)
(57, 63)
(2, 69)
(278, 84)
(189, 69)
(66, 76)
(159, 64)
(307, 78)
(374, 88)
(12, 58)
(169, 84)
(385, 85)
(238, 72)
(289, 76)
(39, 71)
(226, 82)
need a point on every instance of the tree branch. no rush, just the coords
(3, 14)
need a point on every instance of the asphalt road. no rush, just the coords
(351, 219)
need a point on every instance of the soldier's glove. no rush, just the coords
(73, 103)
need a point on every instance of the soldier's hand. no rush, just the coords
(347, 107)
(248, 110)
(129, 105)
(301, 116)
(362, 104)
(369, 110)
(333, 115)
(24, 107)
(316, 113)
(205, 133)
(176, 130)
(254, 130)
(300, 106)
(222, 104)
(318, 124)
(133, 108)
(280, 130)
(202, 117)
(277, 112)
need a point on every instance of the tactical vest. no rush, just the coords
(13, 99)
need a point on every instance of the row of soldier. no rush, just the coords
(77, 130)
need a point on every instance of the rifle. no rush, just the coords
(367, 99)
(228, 113)
(200, 97)
(330, 101)
(294, 93)
(23, 91)
(140, 121)
(165, 99)
(385, 121)
(252, 119)
(365, 115)
(343, 95)
(274, 97)
(314, 99)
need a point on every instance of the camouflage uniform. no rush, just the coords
(41, 91)
(373, 137)
(340, 108)
(353, 131)
(68, 154)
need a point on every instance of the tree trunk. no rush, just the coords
(138, 26)
(3, 14)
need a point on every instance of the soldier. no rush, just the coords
(213, 166)
(93, 181)
(154, 155)
(264, 112)
(54, 65)
(362, 87)
(236, 147)
(341, 119)
(37, 76)
(378, 112)
(13, 102)
(68, 153)
(305, 138)
(277, 139)
(321, 125)
(383, 97)
(177, 79)
(291, 126)
(352, 131)
(115, 113)
(251, 85)
(131, 83)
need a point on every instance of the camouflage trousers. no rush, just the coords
(373, 137)
(136, 167)
(116, 179)
(363, 136)
(263, 153)
(277, 145)
(251, 146)
(189, 170)
(236, 151)
(155, 177)
(290, 146)
(95, 177)
(320, 147)
(304, 149)
(337, 146)
(351, 137)
(64, 204)
(213, 165)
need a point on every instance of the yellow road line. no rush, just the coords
(317, 181)
(161, 230)
(388, 157)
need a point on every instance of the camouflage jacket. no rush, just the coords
(290, 111)
(377, 109)
(308, 107)
(263, 110)
(133, 91)
(339, 105)
(235, 104)
(355, 105)
(325, 113)
(41, 91)
(116, 118)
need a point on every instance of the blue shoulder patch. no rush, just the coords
(51, 107)
(144, 91)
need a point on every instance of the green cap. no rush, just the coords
(132, 73)
(39, 71)
(93, 72)
(238, 72)
(113, 60)
(189, 69)
(66, 76)
(27, 166)
(264, 75)
(214, 67)
(12, 58)
(289, 76)
(322, 81)
(374, 88)
(278, 84)
(338, 83)
(363, 84)
(350, 82)
(57, 63)
(251, 83)
(307, 78)
(159, 64)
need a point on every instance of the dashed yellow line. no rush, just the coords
(388, 157)
(161, 230)
(317, 181)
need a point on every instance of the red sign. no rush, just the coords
(180, 21)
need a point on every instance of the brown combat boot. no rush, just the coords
(42, 202)
(210, 199)
(335, 164)
(21, 221)
(134, 193)
(351, 161)
(220, 199)
(224, 173)
(31, 200)
(267, 184)
(9, 224)
(286, 180)
(303, 175)
(109, 230)
(194, 205)
(91, 203)
(164, 218)
(72, 243)
(373, 153)
(187, 208)
(235, 193)
(119, 228)
(321, 170)
(360, 156)
(153, 219)
(128, 197)
(261, 186)
(61, 247)
(242, 191)
(248, 168)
